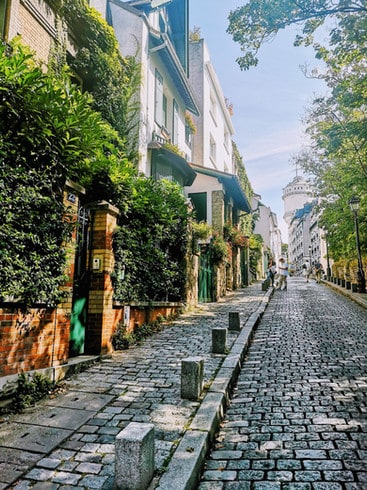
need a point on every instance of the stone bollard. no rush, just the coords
(192, 375)
(219, 340)
(234, 321)
(134, 465)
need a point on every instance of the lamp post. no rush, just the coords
(328, 269)
(361, 281)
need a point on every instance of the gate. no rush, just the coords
(78, 321)
(205, 286)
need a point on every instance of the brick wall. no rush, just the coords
(102, 318)
(32, 339)
(38, 338)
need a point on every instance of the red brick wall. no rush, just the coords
(38, 337)
(30, 340)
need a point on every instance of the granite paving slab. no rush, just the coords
(33, 438)
(62, 417)
(13, 462)
(81, 400)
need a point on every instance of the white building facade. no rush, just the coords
(156, 34)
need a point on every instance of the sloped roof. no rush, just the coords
(169, 58)
(230, 183)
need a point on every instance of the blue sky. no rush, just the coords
(269, 100)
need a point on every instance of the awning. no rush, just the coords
(177, 162)
(230, 183)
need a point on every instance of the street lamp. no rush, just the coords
(328, 270)
(361, 281)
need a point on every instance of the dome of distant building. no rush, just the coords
(295, 195)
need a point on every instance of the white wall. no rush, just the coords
(212, 124)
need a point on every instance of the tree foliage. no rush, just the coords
(337, 126)
(258, 21)
(336, 123)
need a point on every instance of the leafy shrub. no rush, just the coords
(30, 389)
(151, 243)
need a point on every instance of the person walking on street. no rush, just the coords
(271, 271)
(306, 271)
(283, 273)
(318, 272)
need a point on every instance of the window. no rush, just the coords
(159, 98)
(199, 201)
(175, 118)
(3, 7)
(164, 108)
(163, 170)
(226, 139)
(213, 149)
(213, 107)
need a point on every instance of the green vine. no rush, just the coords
(112, 79)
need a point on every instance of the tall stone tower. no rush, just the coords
(295, 195)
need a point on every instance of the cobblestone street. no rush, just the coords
(69, 442)
(298, 416)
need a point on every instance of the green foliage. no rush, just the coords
(256, 243)
(258, 21)
(151, 243)
(218, 248)
(246, 220)
(30, 389)
(122, 339)
(336, 124)
(201, 231)
(113, 81)
(234, 236)
(48, 133)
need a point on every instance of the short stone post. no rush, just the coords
(134, 465)
(234, 321)
(219, 340)
(192, 375)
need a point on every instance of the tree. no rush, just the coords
(260, 20)
(337, 126)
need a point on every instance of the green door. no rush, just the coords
(78, 321)
(205, 286)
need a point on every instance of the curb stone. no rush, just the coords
(187, 463)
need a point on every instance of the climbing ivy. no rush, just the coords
(151, 243)
(48, 133)
(112, 79)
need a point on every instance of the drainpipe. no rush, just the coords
(159, 47)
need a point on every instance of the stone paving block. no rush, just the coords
(219, 340)
(234, 322)
(186, 463)
(209, 414)
(132, 384)
(134, 463)
(192, 372)
(33, 438)
(223, 382)
(232, 361)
